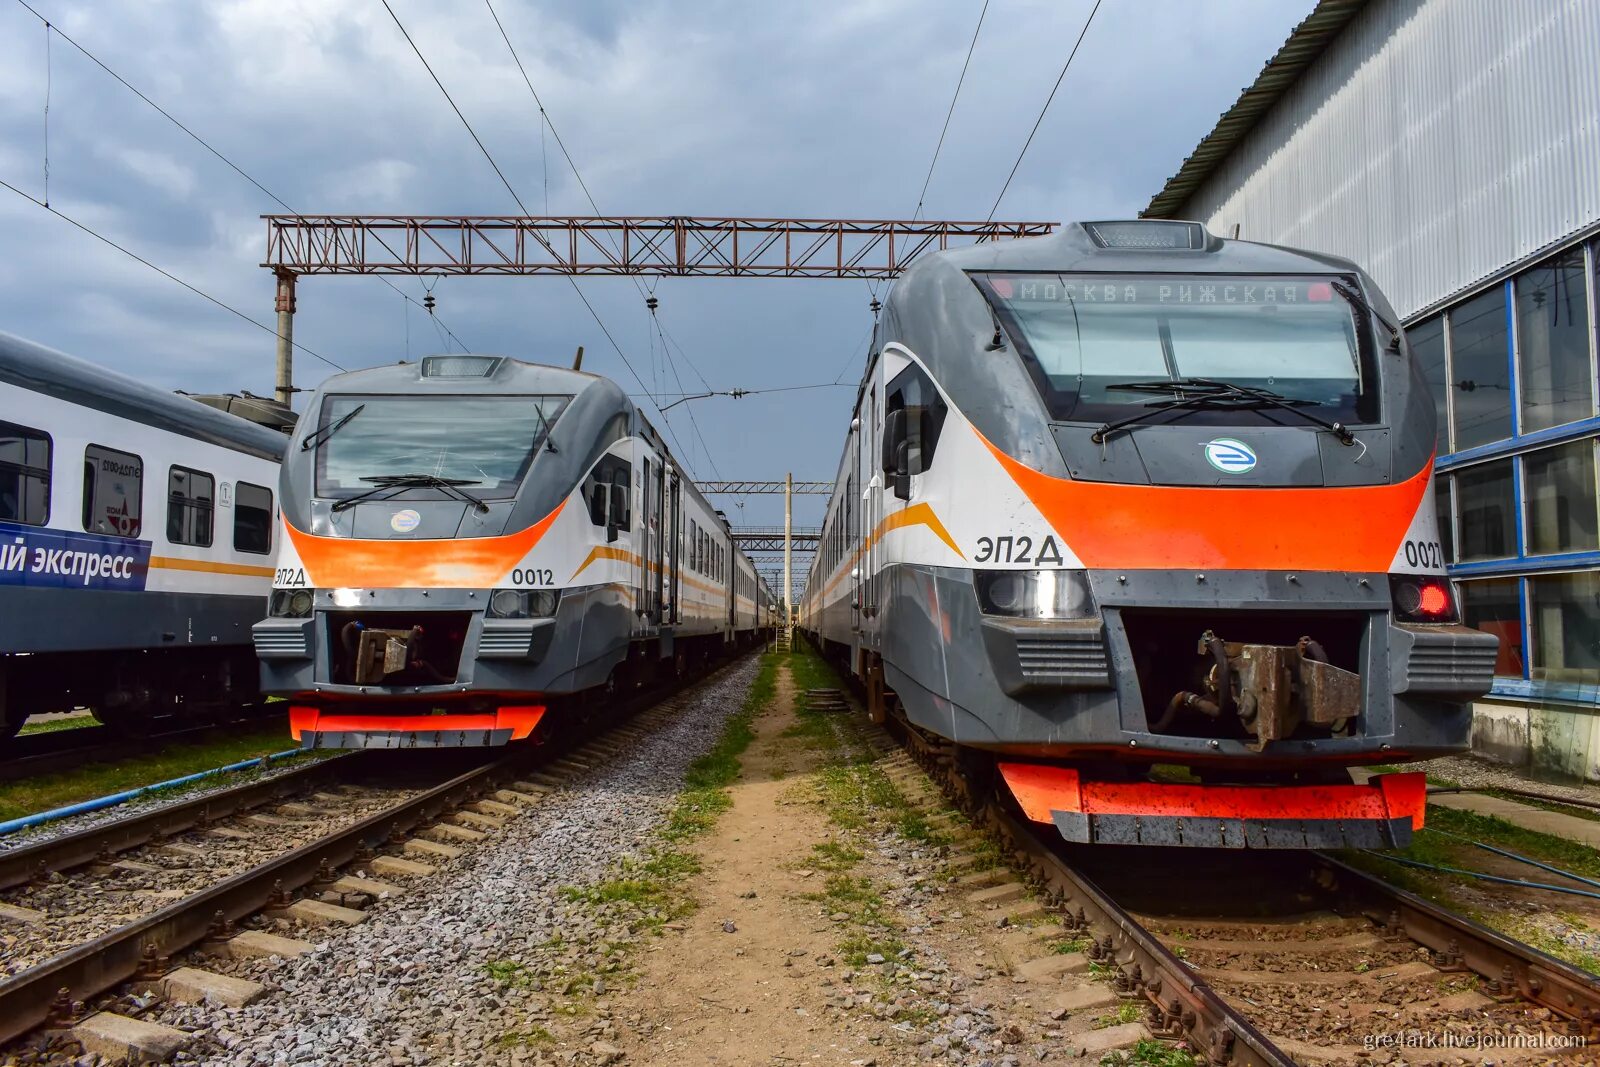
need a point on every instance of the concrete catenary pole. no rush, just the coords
(284, 388)
(788, 544)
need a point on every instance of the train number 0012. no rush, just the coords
(532, 576)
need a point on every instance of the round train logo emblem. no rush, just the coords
(1230, 456)
(405, 521)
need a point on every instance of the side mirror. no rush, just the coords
(902, 471)
(894, 435)
(620, 519)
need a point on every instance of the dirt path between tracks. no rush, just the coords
(742, 982)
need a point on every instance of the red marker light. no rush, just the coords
(1319, 292)
(1434, 600)
(1002, 287)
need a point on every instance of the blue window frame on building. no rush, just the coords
(1513, 373)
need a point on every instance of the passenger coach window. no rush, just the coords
(24, 475)
(252, 519)
(191, 504)
(113, 492)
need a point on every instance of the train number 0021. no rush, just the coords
(1424, 554)
(532, 576)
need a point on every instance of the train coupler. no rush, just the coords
(1380, 814)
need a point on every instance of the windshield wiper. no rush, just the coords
(385, 482)
(322, 433)
(1209, 393)
(1360, 304)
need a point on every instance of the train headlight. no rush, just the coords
(523, 603)
(1423, 599)
(290, 604)
(1035, 594)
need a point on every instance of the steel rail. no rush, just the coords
(29, 862)
(1180, 1004)
(27, 999)
(1511, 967)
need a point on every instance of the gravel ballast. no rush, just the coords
(413, 983)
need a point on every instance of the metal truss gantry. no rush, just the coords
(755, 488)
(771, 538)
(665, 245)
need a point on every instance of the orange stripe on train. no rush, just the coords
(1136, 527)
(456, 562)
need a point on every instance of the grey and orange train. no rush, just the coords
(470, 542)
(1141, 521)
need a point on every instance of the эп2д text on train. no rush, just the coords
(1131, 497)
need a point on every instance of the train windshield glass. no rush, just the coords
(485, 442)
(1083, 334)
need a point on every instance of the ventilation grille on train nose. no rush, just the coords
(281, 644)
(1445, 663)
(505, 644)
(1078, 656)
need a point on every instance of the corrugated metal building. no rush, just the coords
(1452, 147)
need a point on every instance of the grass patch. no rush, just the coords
(51, 726)
(532, 1037)
(832, 856)
(1128, 1011)
(1067, 948)
(1546, 805)
(1148, 1053)
(49, 791)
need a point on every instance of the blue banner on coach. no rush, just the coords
(34, 556)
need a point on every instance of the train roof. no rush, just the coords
(467, 373)
(1133, 246)
(45, 370)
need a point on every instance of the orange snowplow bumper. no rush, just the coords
(1381, 814)
(320, 728)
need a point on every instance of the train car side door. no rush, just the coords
(674, 542)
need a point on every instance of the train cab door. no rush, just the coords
(871, 510)
(651, 568)
(674, 545)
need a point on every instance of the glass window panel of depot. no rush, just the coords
(1557, 377)
(1559, 484)
(1487, 510)
(1480, 371)
(1564, 617)
(1494, 605)
(1427, 341)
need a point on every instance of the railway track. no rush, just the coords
(84, 913)
(1273, 959)
(28, 755)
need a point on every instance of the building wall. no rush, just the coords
(1435, 142)
(1452, 148)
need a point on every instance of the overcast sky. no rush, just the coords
(775, 109)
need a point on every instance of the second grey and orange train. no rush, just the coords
(1141, 521)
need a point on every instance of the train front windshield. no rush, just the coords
(486, 442)
(1083, 335)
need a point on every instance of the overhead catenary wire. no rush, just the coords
(947, 115)
(546, 120)
(1036, 122)
(163, 272)
(164, 113)
(576, 288)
